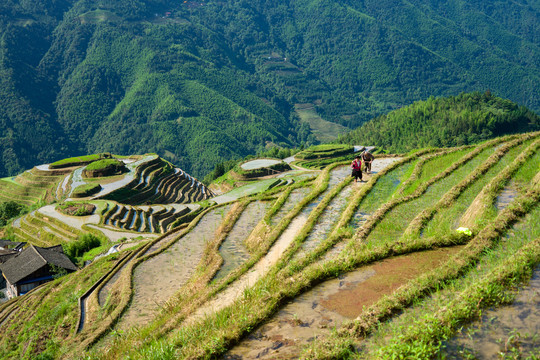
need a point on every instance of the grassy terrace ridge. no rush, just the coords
(324, 151)
(85, 190)
(103, 164)
(411, 206)
(78, 160)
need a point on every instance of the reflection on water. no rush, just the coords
(507, 332)
(172, 268)
(506, 196)
(326, 221)
(294, 198)
(316, 312)
(232, 250)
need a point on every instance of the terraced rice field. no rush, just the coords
(328, 268)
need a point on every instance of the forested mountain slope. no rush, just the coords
(202, 82)
(452, 121)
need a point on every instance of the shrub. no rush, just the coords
(84, 243)
(10, 210)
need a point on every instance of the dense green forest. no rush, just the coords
(452, 121)
(201, 82)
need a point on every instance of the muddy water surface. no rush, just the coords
(233, 250)
(511, 331)
(294, 198)
(328, 305)
(507, 195)
(158, 278)
(326, 221)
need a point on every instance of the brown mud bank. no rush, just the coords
(319, 310)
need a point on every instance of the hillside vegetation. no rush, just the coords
(234, 279)
(452, 121)
(201, 82)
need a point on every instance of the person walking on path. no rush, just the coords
(356, 166)
(368, 159)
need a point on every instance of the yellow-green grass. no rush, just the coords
(22, 234)
(27, 195)
(498, 168)
(385, 188)
(447, 220)
(487, 284)
(437, 163)
(526, 173)
(393, 224)
(104, 180)
(71, 231)
(45, 236)
(44, 320)
(85, 190)
(41, 223)
(12, 189)
(74, 161)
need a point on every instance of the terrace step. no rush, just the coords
(66, 229)
(155, 219)
(53, 229)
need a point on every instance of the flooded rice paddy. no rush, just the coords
(507, 332)
(227, 296)
(259, 163)
(316, 312)
(381, 192)
(507, 195)
(326, 221)
(233, 250)
(296, 196)
(158, 278)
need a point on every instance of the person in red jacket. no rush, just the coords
(356, 166)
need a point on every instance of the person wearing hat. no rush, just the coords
(368, 159)
(356, 166)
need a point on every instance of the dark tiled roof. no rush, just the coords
(32, 259)
(55, 255)
(11, 244)
(5, 255)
